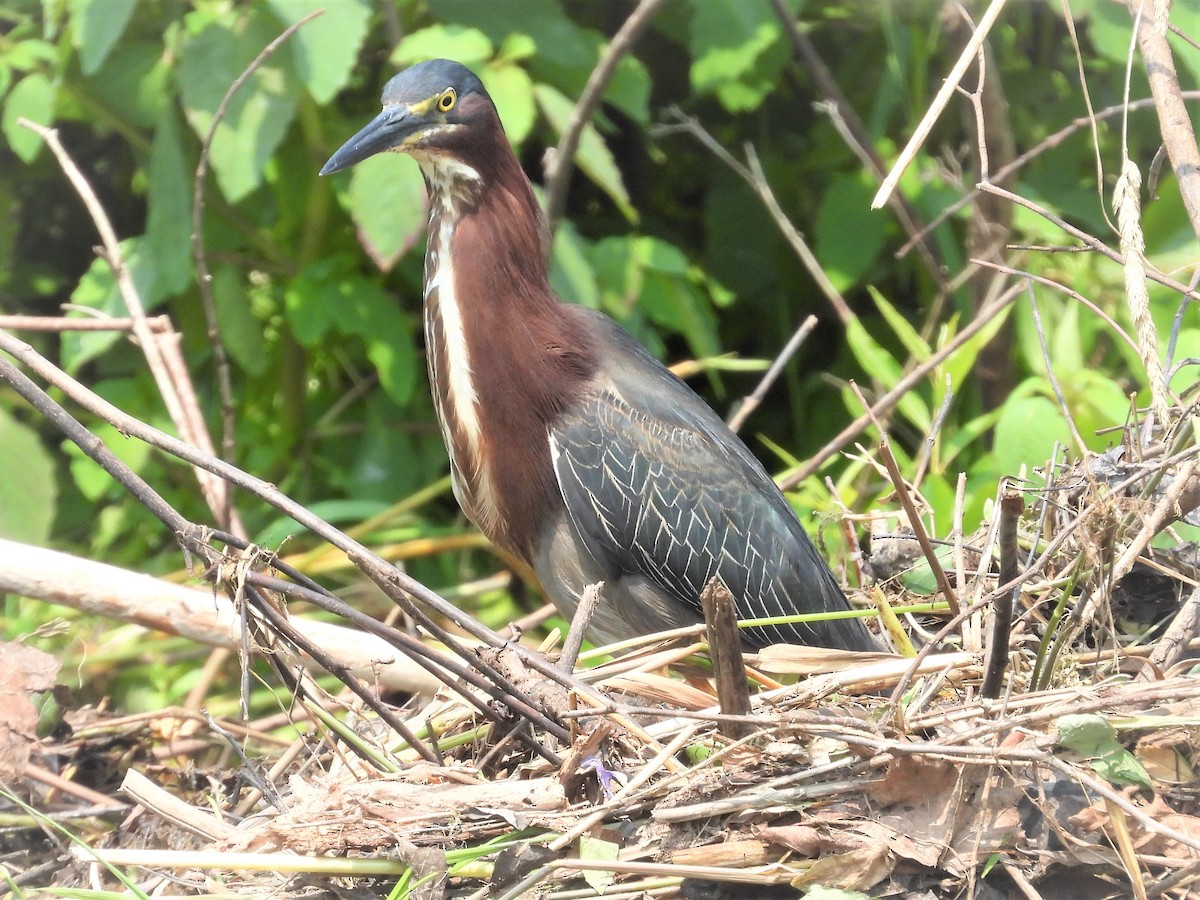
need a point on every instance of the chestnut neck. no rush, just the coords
(505, 356)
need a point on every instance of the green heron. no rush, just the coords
(571, 446)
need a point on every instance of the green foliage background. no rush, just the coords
(317, 281)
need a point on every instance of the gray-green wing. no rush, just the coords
(657, 487)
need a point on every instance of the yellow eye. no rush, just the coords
(446, 102)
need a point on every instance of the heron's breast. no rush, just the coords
(452, 382)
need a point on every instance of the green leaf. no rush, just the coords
(393, 353)
(618, 276)
(728, 38)
(98, 290)
(869, 354)
(962, 361)
(629, 90)
(89, 476)
(1122, 767)
(909, 337)
(259, 113)
(571, 274)
(312, 299)
(240, 331)
(593, 157)
(32, 98)
(28, 490)
(512, 91)
(920, 578)
(390, 461)
(328, 295)
(597, 850)
(387, 202)
(469, 46)
(95, 290)
(1094, 737)
(1109, 29)
(351, 512)
(882, 366)
(516, 47)
(98, 25)
(391, 344)
(676, 304)
(1067, 353)
(136, 79)
(565, 53)
(848, 234)
(30, 54)
(325, 50)
(1027, 431)
(661, 256)
(169, 203)
(1096, 402)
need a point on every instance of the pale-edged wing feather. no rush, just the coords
(657, 487)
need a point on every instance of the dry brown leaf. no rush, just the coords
(1096, 819)
(810, 841)
(1165, 764)
(858, 870)
(23, 671)
(990, 820)
(1165, 754)
(914, 778)
(1161, 845)
(660, 689)
(939, 816)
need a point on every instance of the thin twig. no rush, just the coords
(157, 324)
(1011, 507)
(903, 386)
(203, 276)
(178, 396)
(593, 595)
(752, 174)
(1001, 175)
(939, 103)
(1080, 447)
(563, 160)
(1174, 123)
(1093, 243)
(1070, 292)
(918, 527)
(751, 403)
(925, 457)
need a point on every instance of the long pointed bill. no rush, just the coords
(385, 131)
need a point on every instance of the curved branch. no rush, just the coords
(203, 277)
(561, 164)
(1177, 133)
